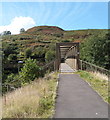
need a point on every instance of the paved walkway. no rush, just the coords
(64, 68)
(76, 99)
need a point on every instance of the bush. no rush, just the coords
(49, 56)
(28, 53)
(12, 57)
(9, 49)
(39, 52)
(29, 71)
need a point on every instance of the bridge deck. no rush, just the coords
(76, 99)
(64, 68)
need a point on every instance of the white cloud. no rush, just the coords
(17, 23)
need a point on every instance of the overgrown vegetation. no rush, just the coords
(98, 84)
(28, 73)
(35, 100)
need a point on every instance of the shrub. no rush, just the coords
(28, 53)
(12, 57)
(39, 52)
(9, 49)
(50, 55)
(29, 71)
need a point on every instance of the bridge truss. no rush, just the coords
(65, 51)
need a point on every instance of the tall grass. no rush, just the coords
(32, 100)
(98, 82)
(100, 75)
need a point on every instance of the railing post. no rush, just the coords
(55, 65)
(78, 62)
(81, 64)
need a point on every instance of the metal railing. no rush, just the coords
(49, 66)
(93, 68)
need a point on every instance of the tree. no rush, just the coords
(49, 56)
(96, 50)
(9, 49)
(22, 30)
(29, 71)
(6, 33)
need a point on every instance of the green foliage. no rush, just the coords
(66, 41)
(12, 81)
(52, 47)
(50, 55)
(28, 53)
(9, 49)
(29, 71)
(12, 57)
(39, 52)
(96, 50)
(59, 35)
(39, 43)
(10, 78)
(45, 104)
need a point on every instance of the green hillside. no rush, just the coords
(39, 40)
(39, 43)
(45, 35)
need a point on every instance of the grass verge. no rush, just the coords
(35, 100)
(98, 84)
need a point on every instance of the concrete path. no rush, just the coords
(76, 99)
(64, 68)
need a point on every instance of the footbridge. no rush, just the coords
(67, 54)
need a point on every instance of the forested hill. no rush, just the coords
(40, 39)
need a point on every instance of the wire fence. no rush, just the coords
(93, 68)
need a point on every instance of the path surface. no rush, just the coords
(64, 68)
(76, 99)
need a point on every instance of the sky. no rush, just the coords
(67, 15)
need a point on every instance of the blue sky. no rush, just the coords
(67, 15)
